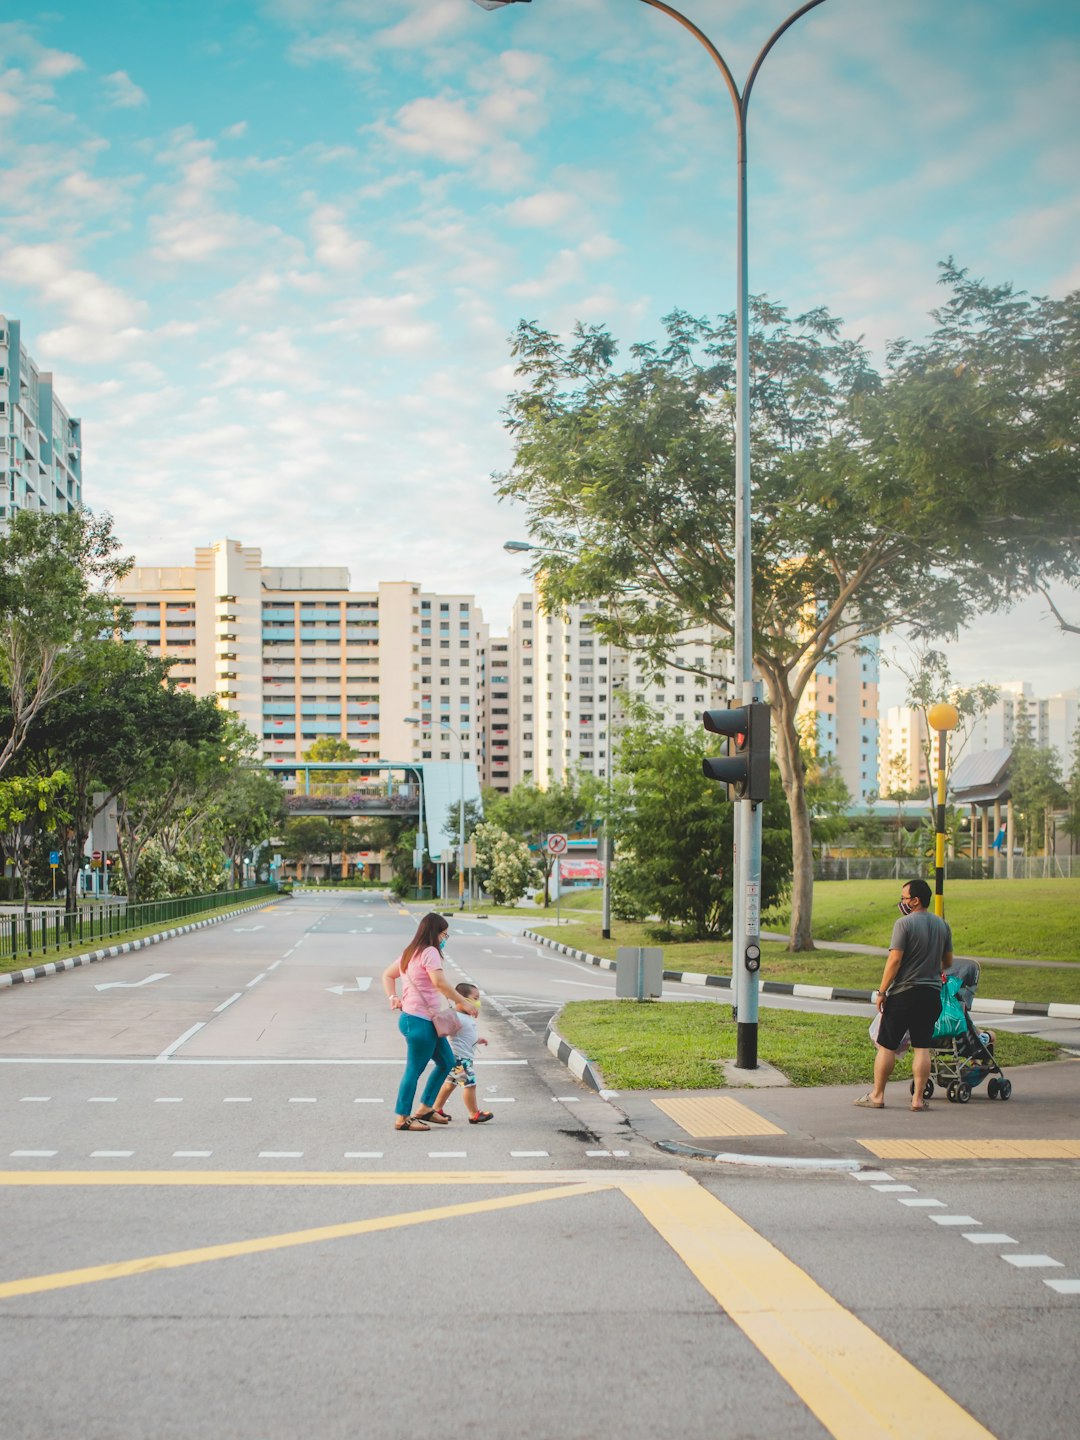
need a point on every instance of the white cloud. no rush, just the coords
(98, 320)
(445, 129)
(335, 247)
(123, 93)
(542, 209)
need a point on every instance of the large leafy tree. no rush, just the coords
(675, 834)
(531, 813)
(54, 574)
(865, 520)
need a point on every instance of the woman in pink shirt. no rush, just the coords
(423, 983)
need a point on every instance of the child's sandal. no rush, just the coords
(480, 1117)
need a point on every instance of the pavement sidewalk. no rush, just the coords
(781, 1124)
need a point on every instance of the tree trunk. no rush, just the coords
(793, 774)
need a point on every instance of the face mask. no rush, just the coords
(903, 907)
(442, 942)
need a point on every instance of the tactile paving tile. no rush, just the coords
(716, 1115)
(973, 1149)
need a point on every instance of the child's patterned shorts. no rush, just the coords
(462, 1073)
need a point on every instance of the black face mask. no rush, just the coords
(903, 907)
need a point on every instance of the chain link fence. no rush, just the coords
(885, 867)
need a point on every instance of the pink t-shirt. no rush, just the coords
(419, 996)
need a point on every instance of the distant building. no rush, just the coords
(842, 699)
(569, 687)
(40, 443)
(298, 655)
(902, 763)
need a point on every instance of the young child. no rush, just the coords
(464, 1044)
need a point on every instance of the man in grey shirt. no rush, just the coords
(909, 996)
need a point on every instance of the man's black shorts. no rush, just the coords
(913, 1012)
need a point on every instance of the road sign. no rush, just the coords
(556, 844)
(96, 857)
(54, 857)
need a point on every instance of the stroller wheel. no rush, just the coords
(992, 1088)
(963, 1094)
(951, 1092)
(1004, 1089)
(928, 1090)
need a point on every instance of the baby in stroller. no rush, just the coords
(962, 1056)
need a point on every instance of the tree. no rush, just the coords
(675, 829)
(1072, 821)
(53, 608)
(329, 748)
(505, 865)
(249, 812)
(30, 805)
(628, 482)
(307, 836)
(103, 731)
(531, 814)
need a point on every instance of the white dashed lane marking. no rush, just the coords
(1032, 1262)
(34, 1099)
(991, 1239)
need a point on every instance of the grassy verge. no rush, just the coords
(815, 967)
(1019, 919)
(87, 947)
(677, 1046)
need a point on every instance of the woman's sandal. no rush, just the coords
(480, 1117)
(411, 1122)
(432, 1117)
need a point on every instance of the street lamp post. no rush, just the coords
(746, 923)
(519, 547)
(445, 724)
(942, 718)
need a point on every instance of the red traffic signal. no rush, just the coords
(746, 765)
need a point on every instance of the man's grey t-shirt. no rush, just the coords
(925, 940)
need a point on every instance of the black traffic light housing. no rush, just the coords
(746, 765)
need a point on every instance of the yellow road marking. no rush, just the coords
(856, 1385)
(32, 1178)
(36, 1284)
(973, 1149)
(716, 1115)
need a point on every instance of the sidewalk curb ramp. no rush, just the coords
(1054, 1010)
(55, 967)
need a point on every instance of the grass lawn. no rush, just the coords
(87, 947)
(815, 967)
(1020, 919)
(668, 1046)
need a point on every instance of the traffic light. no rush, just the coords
(746, 765)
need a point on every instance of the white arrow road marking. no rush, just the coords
(238, 928)
(130, 984)
(363, 930)
(363, 982)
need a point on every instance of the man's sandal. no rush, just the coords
(410, 1122)
(432, 1117)
(867, 1103)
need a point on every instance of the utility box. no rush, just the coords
(639, 972)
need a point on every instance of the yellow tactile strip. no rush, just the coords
(716, 1115)
(973, 1149)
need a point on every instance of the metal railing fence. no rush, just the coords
(884, 867)
(45, 931)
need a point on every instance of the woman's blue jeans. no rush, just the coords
(424, 1045)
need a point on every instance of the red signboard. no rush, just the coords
(571, 870)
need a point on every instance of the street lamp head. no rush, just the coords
(517, 547)
(498, 4)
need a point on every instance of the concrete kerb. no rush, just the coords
(1054, 1010)
(56, 967)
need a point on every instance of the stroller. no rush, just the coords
(961, 1057)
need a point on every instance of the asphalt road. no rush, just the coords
(212, 1229)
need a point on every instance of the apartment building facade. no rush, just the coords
(40, 443)
(297, 654)
(570, 689)
(841, 702)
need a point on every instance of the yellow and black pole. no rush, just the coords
(942, 718)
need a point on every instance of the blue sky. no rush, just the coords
(274, 248)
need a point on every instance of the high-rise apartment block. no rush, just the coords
(841, 703)
(298, 655)
(40, 443)
(1051, 722)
